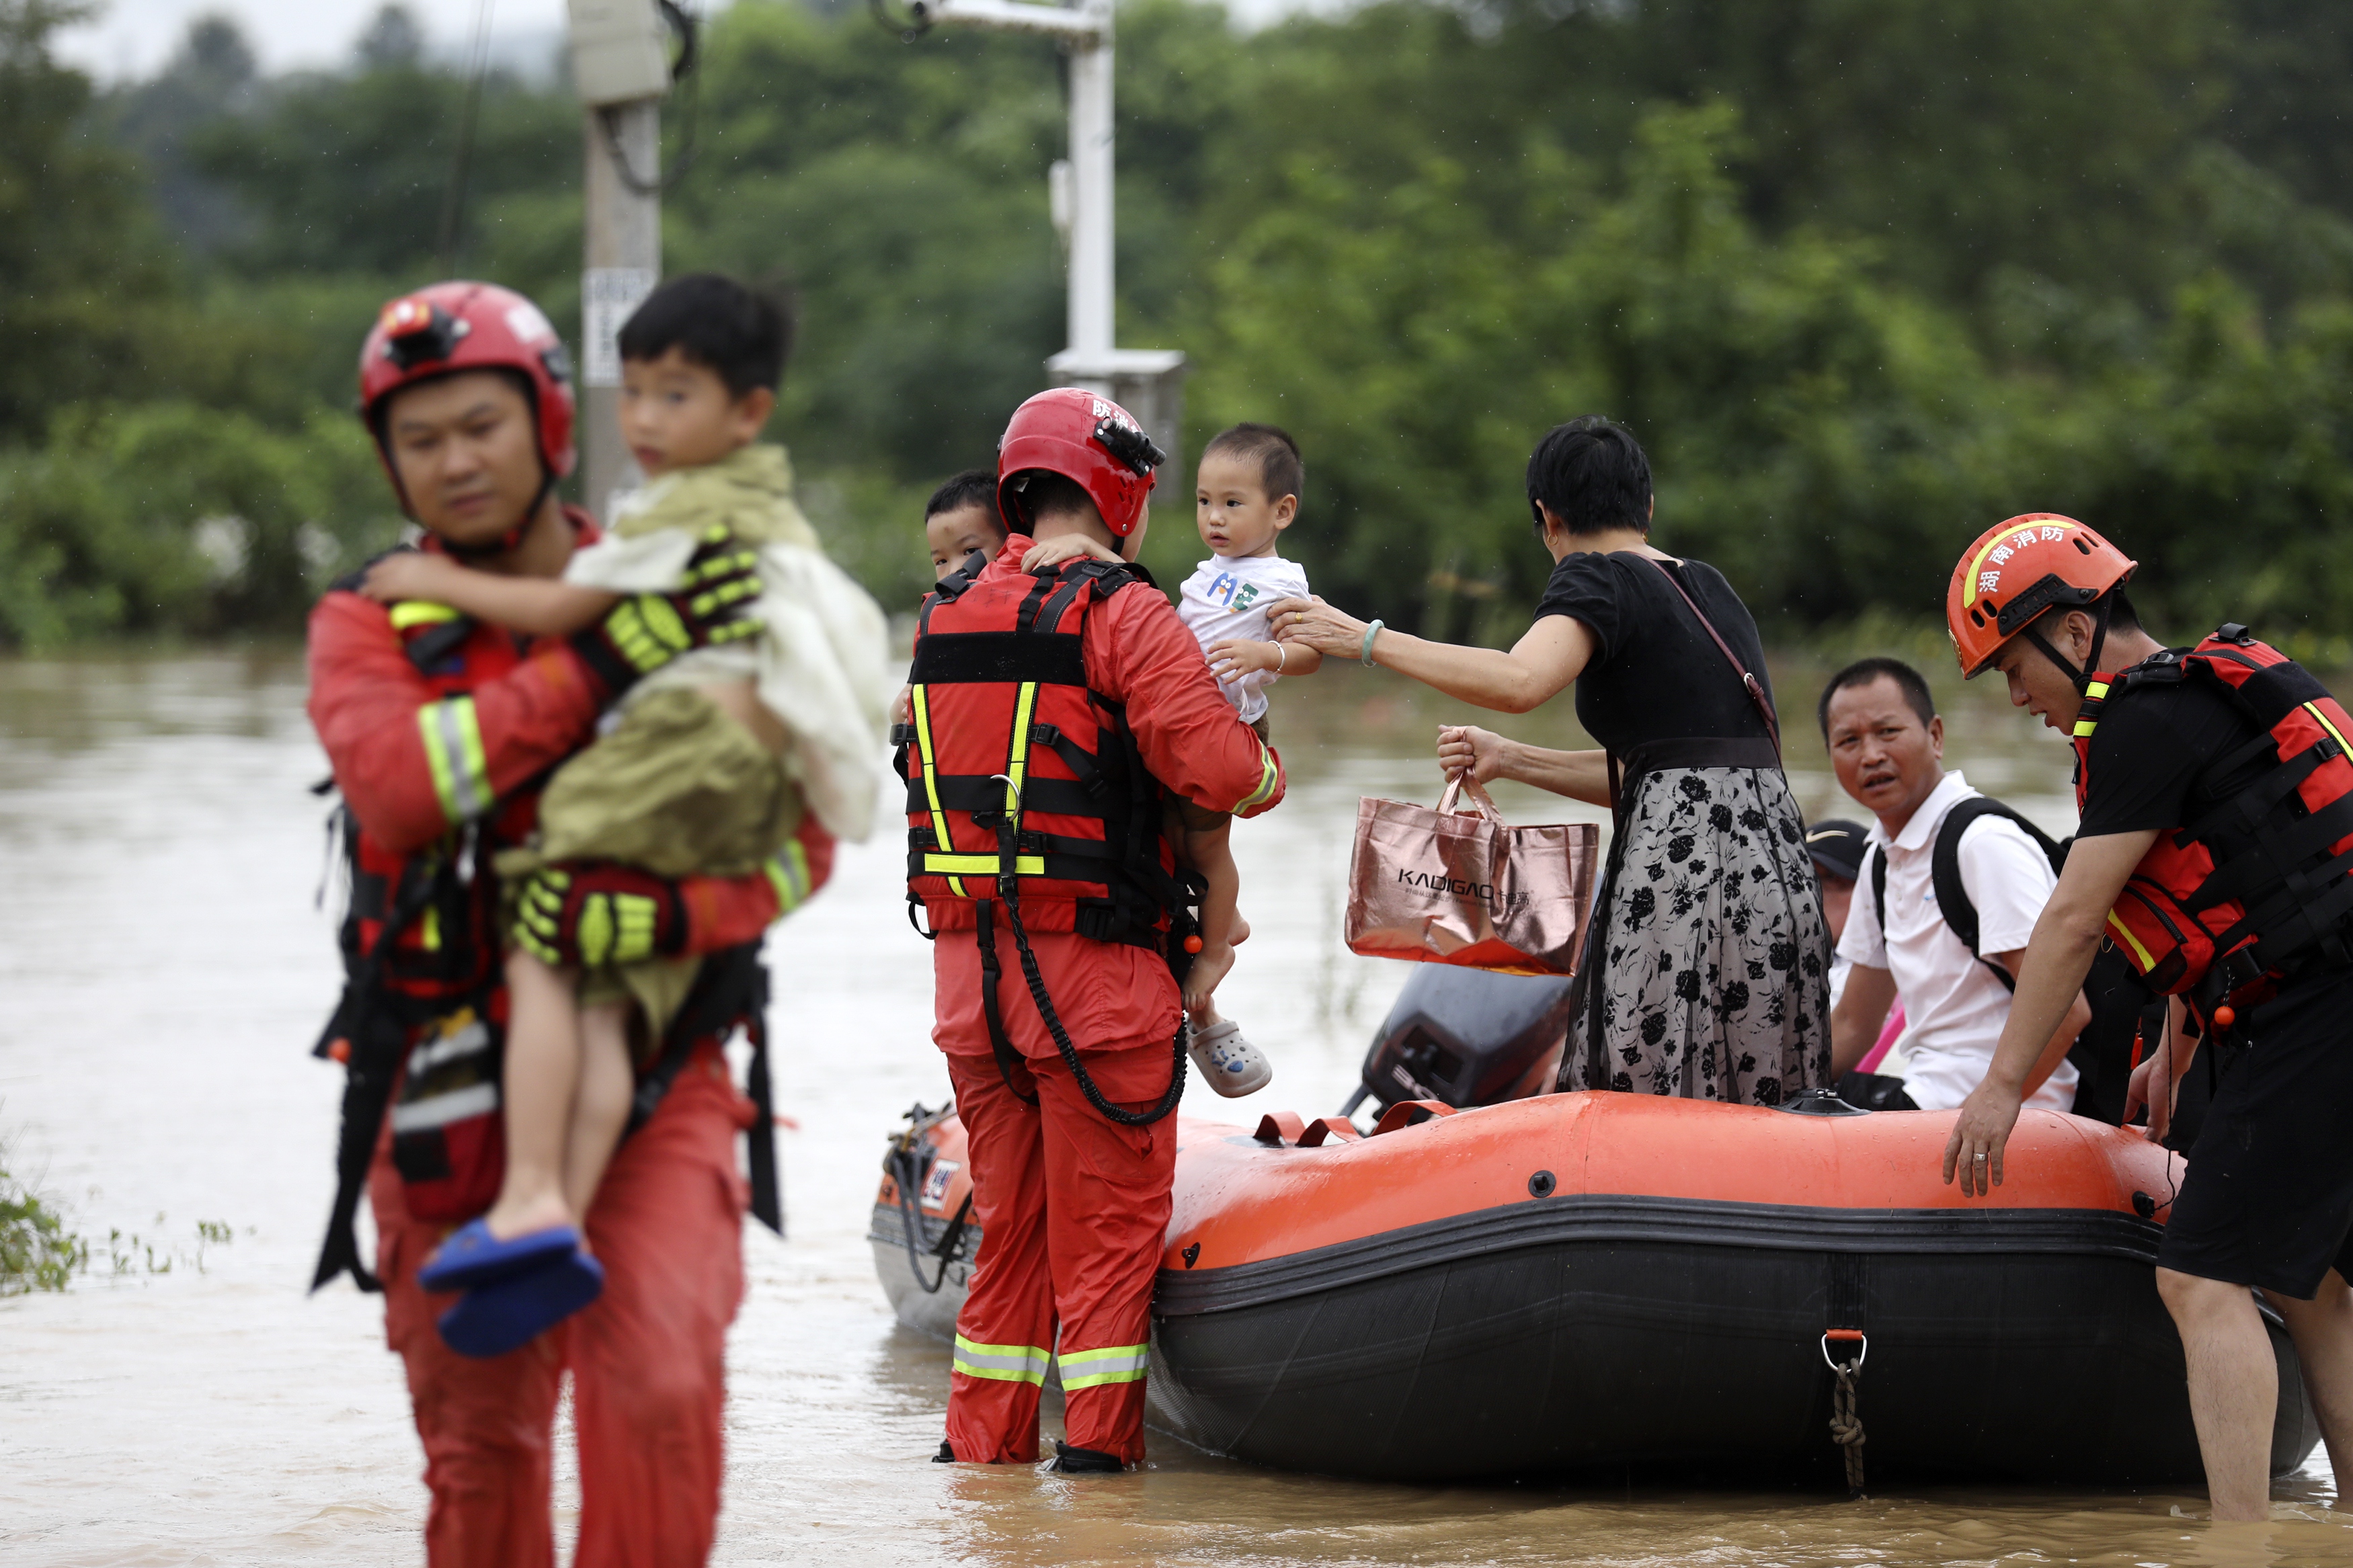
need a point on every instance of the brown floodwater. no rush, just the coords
(162, 969)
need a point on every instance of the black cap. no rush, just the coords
(1837, 847)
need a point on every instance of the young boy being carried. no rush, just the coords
(1246, 492)
(709, 769)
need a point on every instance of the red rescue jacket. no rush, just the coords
(1083, 692)
(2224, 909)
(440, 732)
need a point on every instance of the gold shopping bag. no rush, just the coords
(1466, 887)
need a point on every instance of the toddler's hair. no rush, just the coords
(739, 334)
(974, 487)
(1280, 470)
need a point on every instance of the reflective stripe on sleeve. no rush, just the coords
(453, 751)
(1267, 777)
(420, 613)
(1006, 1363)
(1115, 1363)
(788, 873)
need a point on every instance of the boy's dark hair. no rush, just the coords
(1281, 471)
(1593, 476)
(974, 487)
(739, 334)
(1863, 672)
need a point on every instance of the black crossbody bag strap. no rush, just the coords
(1748, 681)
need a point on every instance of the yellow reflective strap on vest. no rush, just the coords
(919, 704)
(453, 751)
(2314, 709)
(1017, 752)
(420, 613)
(788, 874)
(981, 866)
(2140, 954)
(1006, 1363)
(1267, 776)
(1114, 1364)
(2084, 727)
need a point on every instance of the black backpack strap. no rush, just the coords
(1944, 872)
(377, 1033)
(732, 988)
(1878, 893)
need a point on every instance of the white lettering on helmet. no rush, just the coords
(2023, 537)
(2000, 553)
(527, 325)
(1988, 580)
(2053, 535)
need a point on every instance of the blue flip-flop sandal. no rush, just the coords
(506, 1314)
(472, 1256)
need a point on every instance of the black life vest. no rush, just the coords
(2223, 909)
(1007, 746)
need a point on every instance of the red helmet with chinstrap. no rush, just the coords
(1086, 438)
(460, 326)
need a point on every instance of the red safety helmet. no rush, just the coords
(2018, 570)
(460, 326)
(1084, 438)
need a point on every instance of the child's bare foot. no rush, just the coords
(1210, 965)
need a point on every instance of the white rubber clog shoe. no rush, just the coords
(1229, 1063)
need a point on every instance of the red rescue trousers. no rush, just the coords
(648, 1360)
(1072, 1208)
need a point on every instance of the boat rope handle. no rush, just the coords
(1846, 1425)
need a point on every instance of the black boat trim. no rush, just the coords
(1595, 1217)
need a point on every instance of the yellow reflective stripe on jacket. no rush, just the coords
(1006, 1363)
(453, 751)
(954, 866)
(1016, 752)
(2140, 954)
(919, 705)
(2092, 693)
(2322, 719)
(420, 613)
(1267, 776)
(788, 873)
(1114, 1364)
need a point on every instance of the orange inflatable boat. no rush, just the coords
(1581, 1281)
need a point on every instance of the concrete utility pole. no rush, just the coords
(621, 66)
(1149, 382)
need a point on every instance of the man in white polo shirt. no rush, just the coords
(1887, 747)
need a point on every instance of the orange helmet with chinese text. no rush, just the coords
(2020, 570)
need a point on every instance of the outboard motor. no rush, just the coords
(1464, 1036)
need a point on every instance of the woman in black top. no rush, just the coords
(1707, 972)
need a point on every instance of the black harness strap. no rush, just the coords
(732, 988)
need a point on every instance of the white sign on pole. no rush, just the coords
(607, 297)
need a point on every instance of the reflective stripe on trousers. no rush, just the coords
(1009, 1363)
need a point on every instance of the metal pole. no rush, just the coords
(1091, 295)
(623, 263)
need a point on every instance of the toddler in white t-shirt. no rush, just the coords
(1246, 493)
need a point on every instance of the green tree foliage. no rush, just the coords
(1866, 276)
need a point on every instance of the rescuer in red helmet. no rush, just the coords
(1048, 714)
(440, 730)
(2214, 850)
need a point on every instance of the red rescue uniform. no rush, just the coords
(1073, 1207)
(424, 740)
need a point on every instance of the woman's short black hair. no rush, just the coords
(1593, 476)
(739, 334)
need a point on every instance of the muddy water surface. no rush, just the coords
(163, 969)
